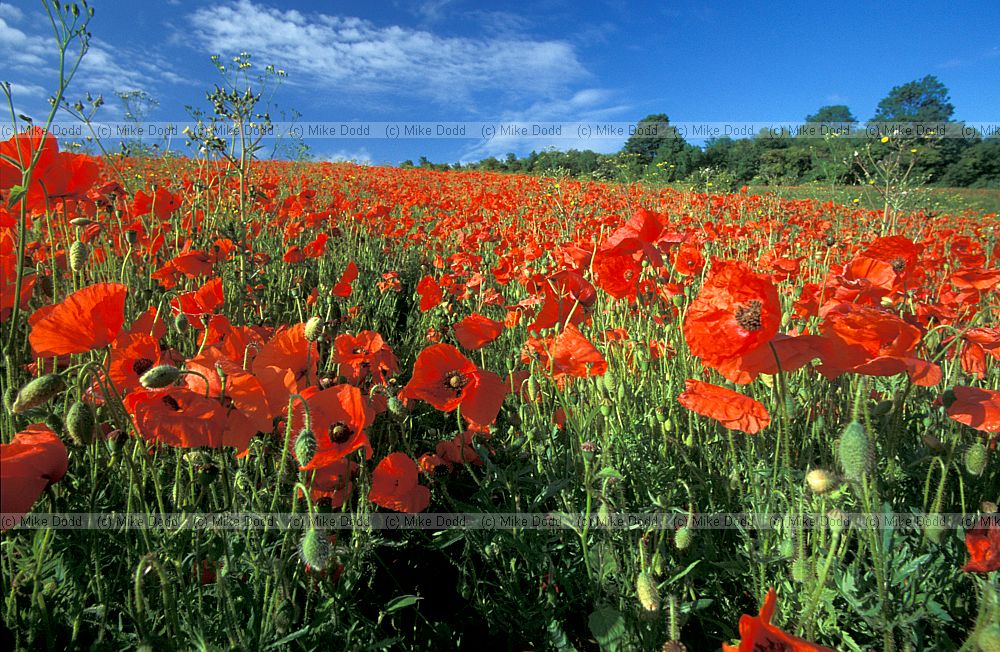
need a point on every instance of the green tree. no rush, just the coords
(650, 134)
(832, 113)
(921, 100)
(978, 166)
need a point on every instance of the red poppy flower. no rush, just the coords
(132, 355)
(864, 340)
(618, 273)
(200, 303)
(150, 322)
(458, 450)
(338, 417)
(433, 464)
(983, 542)
(332, 483)
(733, 410)
(343, 287)
(736, 312)
(688, 261)
(445, 378)
(237, 343)
(569, 353)
(976, 408)
(161, 203)
(241, 393)
(430, 293)
(364, 355)
(476, 331)
(758, 634)
(317, 247)
(8, 283)
(395, 485)
(87, 319)
(568, 299)
(977, 343)
(178, 417)
(17, 151)
(33, 460)
(285, 365)
(56, 175)
(793, 354)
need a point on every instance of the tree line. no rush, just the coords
(822, 151)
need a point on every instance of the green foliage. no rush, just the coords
(921, 100)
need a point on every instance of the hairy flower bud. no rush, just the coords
(38, 392)
(80, 423)
(160, 376)
(649, 596)
(79, 252)
(975, 458)
(313, 329)
(315, 549)
(855, 452)
(305, 446)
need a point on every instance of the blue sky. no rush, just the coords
(551, 60)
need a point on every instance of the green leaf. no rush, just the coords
(608, 627)
(684, 572)
(16, 193)
(401, 602)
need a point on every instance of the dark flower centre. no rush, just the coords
(172, 403)
(456, 381)
(771, 645)
(142, 365)
(898, 265)
(340, 432)
(748, 315)
(358, 351)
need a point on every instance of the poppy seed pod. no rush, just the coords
(38, 392)
(160, 376)
(315, 549)
(305, 446)
(79, 252)
(674, 646)
(80, 423)
(854, 452)
(975, 458)
(649, 596)
(662, 414)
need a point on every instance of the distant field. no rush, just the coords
(982, 200)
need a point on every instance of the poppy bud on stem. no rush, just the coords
(38, 392)
(160, 376)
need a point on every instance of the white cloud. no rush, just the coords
(10, 12)
(587, 105)
(24, 51)
(356, 56)
(360, 156)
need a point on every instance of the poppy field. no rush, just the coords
(632, 417)
(365, 340)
